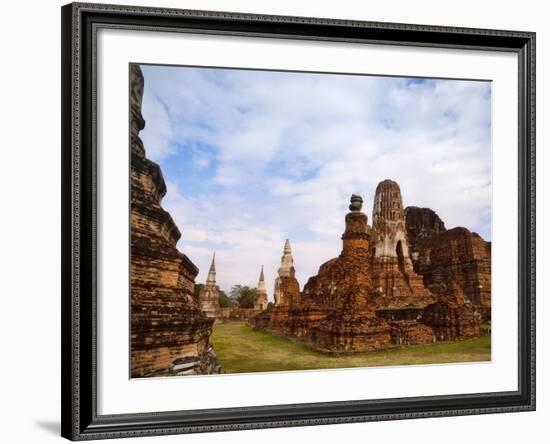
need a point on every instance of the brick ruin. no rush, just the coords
(209, 295)
(282, 318)
(170, 334)
(287, 290)
(396, 284)
(405, 280)
(260, 302)
(455, 261)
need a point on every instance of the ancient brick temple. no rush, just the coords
(455, 261)
(287, 289)
(260, 302)
(170, 334)
(209, 295)
(287, 297)
(342, 291)
(396, 285)
(374, 294)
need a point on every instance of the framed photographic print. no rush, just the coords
(279, 221)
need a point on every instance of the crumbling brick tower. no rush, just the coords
(394, 280)
(287, 289)
(260, 301)
(209, 295)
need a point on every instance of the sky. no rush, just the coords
(252, 158)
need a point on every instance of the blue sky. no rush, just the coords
(254, 157)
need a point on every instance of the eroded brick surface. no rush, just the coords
(448, 258)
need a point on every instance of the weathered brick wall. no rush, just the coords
(236, 313)
(450, 320)
(397, 286)
(411, 332)
(422, 223)
(351, 332)
(453, 256)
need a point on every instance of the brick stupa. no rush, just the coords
(209, 295)
(260, 300)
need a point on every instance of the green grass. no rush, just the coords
(241, 349)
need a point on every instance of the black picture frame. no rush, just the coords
(78, 333)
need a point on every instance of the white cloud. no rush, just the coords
(158, 137)
(277, 155)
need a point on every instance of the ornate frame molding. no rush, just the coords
(80, 22)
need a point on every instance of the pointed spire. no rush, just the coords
(287, 263)
(261, 282)
(212, 272)
(287, 249)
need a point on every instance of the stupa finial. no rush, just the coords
(356, 203)
(212, 272)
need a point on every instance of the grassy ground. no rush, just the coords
(240, 349)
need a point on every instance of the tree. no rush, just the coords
(224, 300)
(243, 295)
(247, 297)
